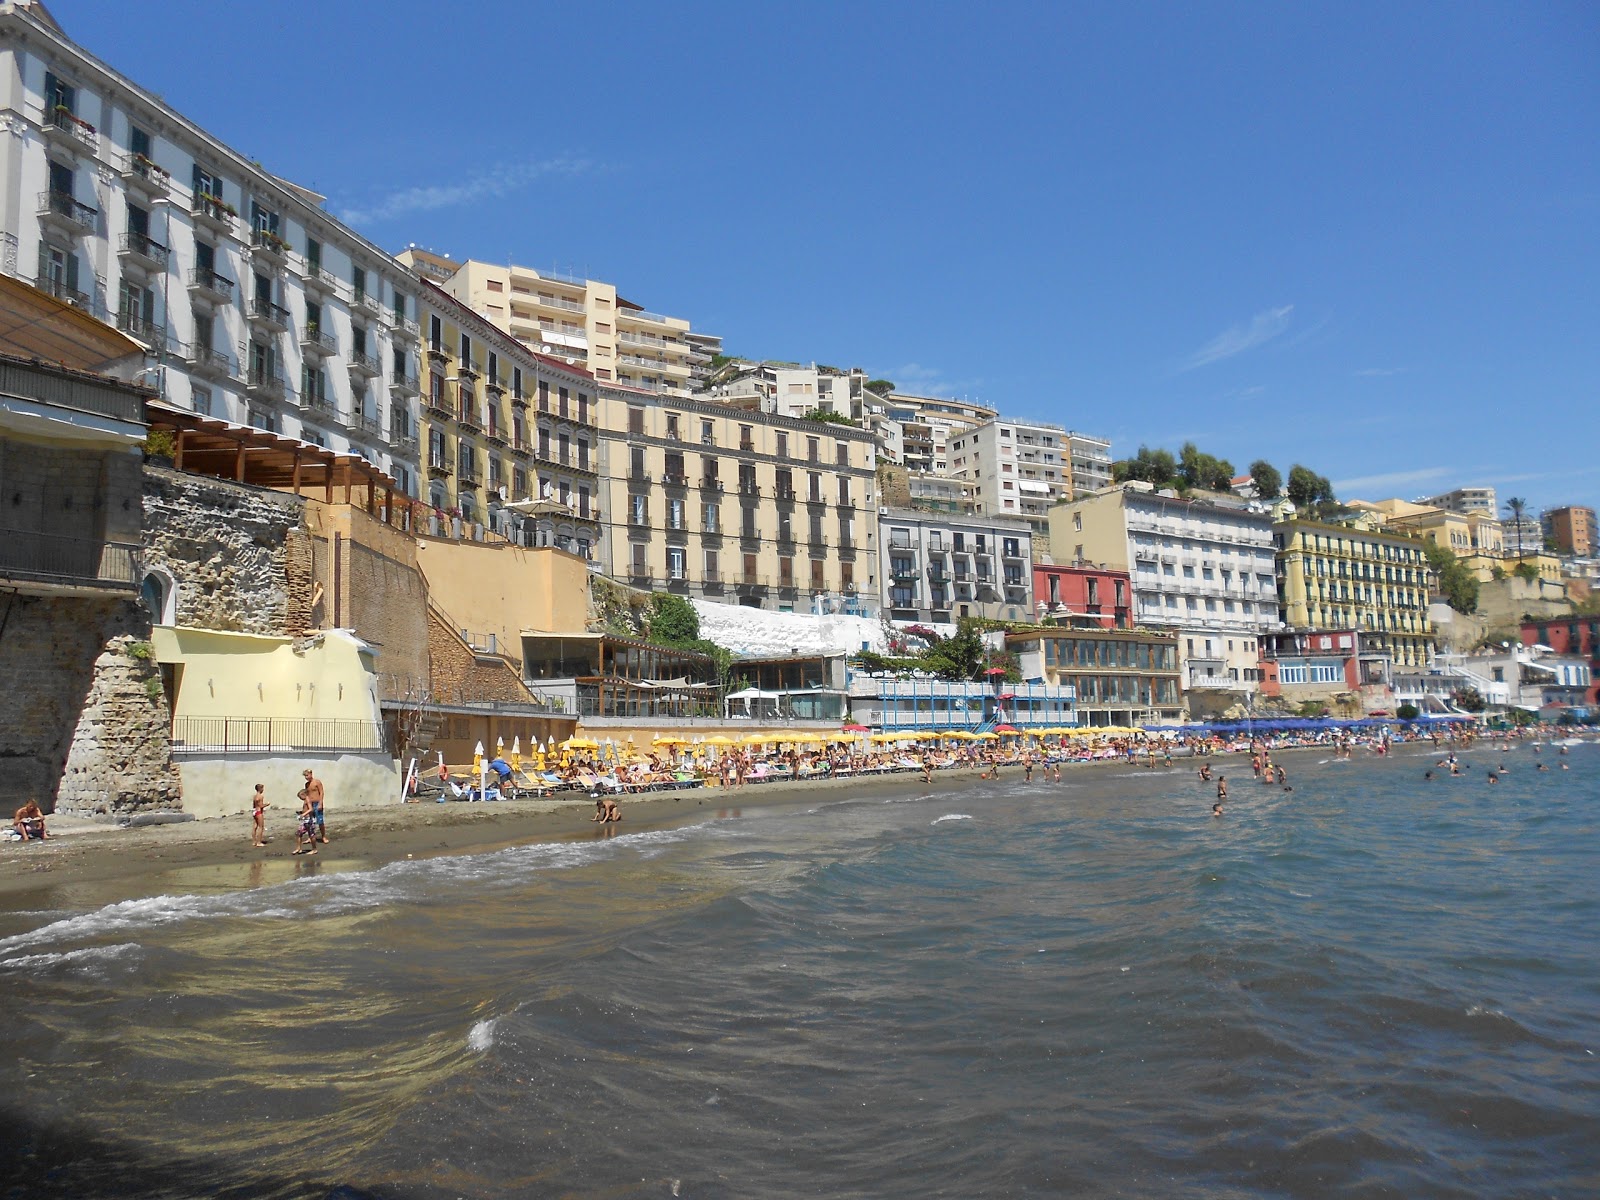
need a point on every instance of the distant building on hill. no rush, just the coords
(1572, 529)
(1466, 500)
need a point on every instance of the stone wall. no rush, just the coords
(83, 724)
(235, 553)
(461, 675)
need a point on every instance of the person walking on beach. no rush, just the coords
(258, 814)
(305, 828)
(314, 794)
(1027, 768)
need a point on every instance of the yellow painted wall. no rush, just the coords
(248, 675)
(1104, 532)
(503, 589)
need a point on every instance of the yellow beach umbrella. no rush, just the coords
(986, 736)
(719, 739)
(538, 755)
(754, 739)
(477, 759)
(516, 754)
(668, 739)
(580, 743)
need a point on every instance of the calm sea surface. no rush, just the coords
(1373, 985)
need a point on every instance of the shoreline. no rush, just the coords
(95, 862)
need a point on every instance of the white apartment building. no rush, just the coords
(940, 567)
(582, 321)
(1089, 459)
(252, 303)
(1203, 570)
(927, 423)
(1466, 500)
(786, 389)
(1016, 468)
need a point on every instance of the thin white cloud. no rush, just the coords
(1379, 372)
(1258, 331)
(502, 180)
(1393, 482)
(917, 380)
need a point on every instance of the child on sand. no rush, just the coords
(305, 833)
(258, 810)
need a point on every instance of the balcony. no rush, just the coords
(318, 402)
(496, 388)
(468, 477)
(405, 385)
(675, 481)
(438, 410)
(712, 485)
(316, 344)
(268, 385)
(467, 369)
(522, 450)
(203, 281)
(211, 364)
(369, 302)
(213, 211)
(815, 498)
(141, 329)
(518, 400)
(269, 315)
(268, 244)
(65, 128)
(58, 289)
(785, 494)
(403, 443)
(749, 489)
(61, 211)
(439, 468)
(558, 302)
(903, 574)
(319, 281)
(142, 175)
(50, 558)
(470, 419)
(365, 364)
(496, 438)
(406, 328)
(368, 425)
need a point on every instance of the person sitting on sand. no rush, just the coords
(29, 822)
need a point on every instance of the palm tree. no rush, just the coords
(1518, 508)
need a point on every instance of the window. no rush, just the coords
(200, 399)
(636, 467)
(841, 453)
(844, 492)
(708, 435)
(674, 513)
(672, 427)
(712, 572)
(813, 450)
(675, 562)
(466, 348)
(710, 517)
(782, 449)
(639, 510)
(358, 281)
(635, 415)
(58, 94)
(206, 184)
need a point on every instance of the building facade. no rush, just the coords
(1089, 458)
(1328, 666)
(252, 302)
(710, 501)
(1466, 500)
(1202, 569)
(1572, 529)
(1083, 596)
(1117, 677)
(942, 568)
(927, 425)
(511, 439)
(1571, 637)
(582, 321)
(1016, 468)
(1356, 576)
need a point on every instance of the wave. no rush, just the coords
(952, 817)
(481, 1036)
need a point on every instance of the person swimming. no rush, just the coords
(1216, 809)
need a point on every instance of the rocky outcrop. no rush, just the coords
(120, 760)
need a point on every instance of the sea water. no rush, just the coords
(1370, 985)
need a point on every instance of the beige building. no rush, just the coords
(582, 321)
(509, 437)
(1016, 468)
(927, 424)
(1474, 535)
(713, 502)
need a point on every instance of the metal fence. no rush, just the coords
(56, 557)
(267, 735)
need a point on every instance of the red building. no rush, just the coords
(1087, 597)
(1569, 635)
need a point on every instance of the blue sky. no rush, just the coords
(1361, 237)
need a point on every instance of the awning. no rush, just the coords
(1037, 487)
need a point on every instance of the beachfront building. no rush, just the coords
(1356, 575)
(940, 568)
(789, 689)
(888, 702)
(512, 446)
(1572, 636)
(1016, 468)
(1083, 595)
(1117, 677)
(251, 302)
(1346, 670)
(710, 501)
(1571, 528)
(616, 680)
(1202, 569)
(581, 321)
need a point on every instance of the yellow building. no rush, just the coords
(583, 321)
(1476, 538)
(751, 508)
(1356, 576)
(509, 437)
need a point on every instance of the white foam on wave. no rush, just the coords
(90, 958)
(952, 817)
(343, 892)
(481, 1036)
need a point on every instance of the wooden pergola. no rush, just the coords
(244, 454)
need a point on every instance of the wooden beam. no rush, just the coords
(177, 453)
(348, 471)
(238, 462)
(297, 471)
(388, 507)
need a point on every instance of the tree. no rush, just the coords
(1518, 508)
(1311, 492)
(1408, 712)
(1155, 467)
(880, 387)
(1526, 571)
(1457, 583)
(1269, 484)
(959, 656)
(1469, 699)
(826, 415)
(673, 620)
(1199, 470)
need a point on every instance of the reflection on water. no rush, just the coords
(1011, 988)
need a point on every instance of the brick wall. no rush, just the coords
(459, 675)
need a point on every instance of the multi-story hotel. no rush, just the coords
(1474, 536)
(1356, 576)
(1203, 569)
(1017, 468)
(511, 439)
(707, 500)
(1090, 462)
(941, 568)
(1118, 677)
(252, 303)
(1465, 500)
(582, 321)
(927, 424)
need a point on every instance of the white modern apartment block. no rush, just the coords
(253, 304)
(1017, 468)
(582, 321)
(1203, 570)
(786, 389)
(1090, 462)
(1466, 500)
(927, 425)
(940, 567)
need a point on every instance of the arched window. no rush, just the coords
(159, 594)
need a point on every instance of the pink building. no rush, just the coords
(1083, 596)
